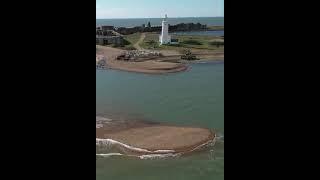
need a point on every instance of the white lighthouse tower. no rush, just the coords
(164, 38)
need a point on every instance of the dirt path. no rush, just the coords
(136, 45)
(109, 52)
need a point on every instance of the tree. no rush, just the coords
(187, 55)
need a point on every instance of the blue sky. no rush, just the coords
(157, 8)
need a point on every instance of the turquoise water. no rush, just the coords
(210, 21)
(194, 97)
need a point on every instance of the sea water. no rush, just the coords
(192, 98)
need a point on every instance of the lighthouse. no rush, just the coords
(164, 38)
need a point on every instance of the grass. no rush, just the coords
(185, 41)
(130, 40)
(147, 42)
(191, 42)
(216, 43)
(151, 41)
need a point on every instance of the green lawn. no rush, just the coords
(185, 41)
(132, 39)
(150, 41)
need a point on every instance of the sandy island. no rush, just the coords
(154, 137)
(157, 65)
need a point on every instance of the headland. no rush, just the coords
(139, 49)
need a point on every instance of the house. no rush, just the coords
(106, 36)
(109, 40)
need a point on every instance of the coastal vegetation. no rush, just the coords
(217, 43)
(153, 44)
(125, 44)
(187, 55)
(130, 40)
(185, 41)
(172, 28)
(191, 42)
(188, 48)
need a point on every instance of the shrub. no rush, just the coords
(126, 42)
(130, 48)
(216, 43)
(192, 42)
(187, 55)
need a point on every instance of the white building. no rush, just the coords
(164, 38)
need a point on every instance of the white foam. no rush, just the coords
(102, 120)
(164, 151)
(109, 154)
(111, 142)
(157, 154)
(220, 138)
(99, 125)
(144, 157)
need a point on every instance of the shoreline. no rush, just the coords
(140, 138)
(149, 154)
(150, 70)
(169, 63)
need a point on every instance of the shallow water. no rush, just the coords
(195, 98)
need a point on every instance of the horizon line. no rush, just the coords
(168, 17)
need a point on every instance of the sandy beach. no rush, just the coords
(157, 65)
(155, 136)
(151, 66)
(162, 137)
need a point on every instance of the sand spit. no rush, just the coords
(149, 140)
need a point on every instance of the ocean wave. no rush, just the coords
(109, 154)
(102, 120)
(110, 143)
(159, 156)
(143, 157)
(220, 137)
(121, 149)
